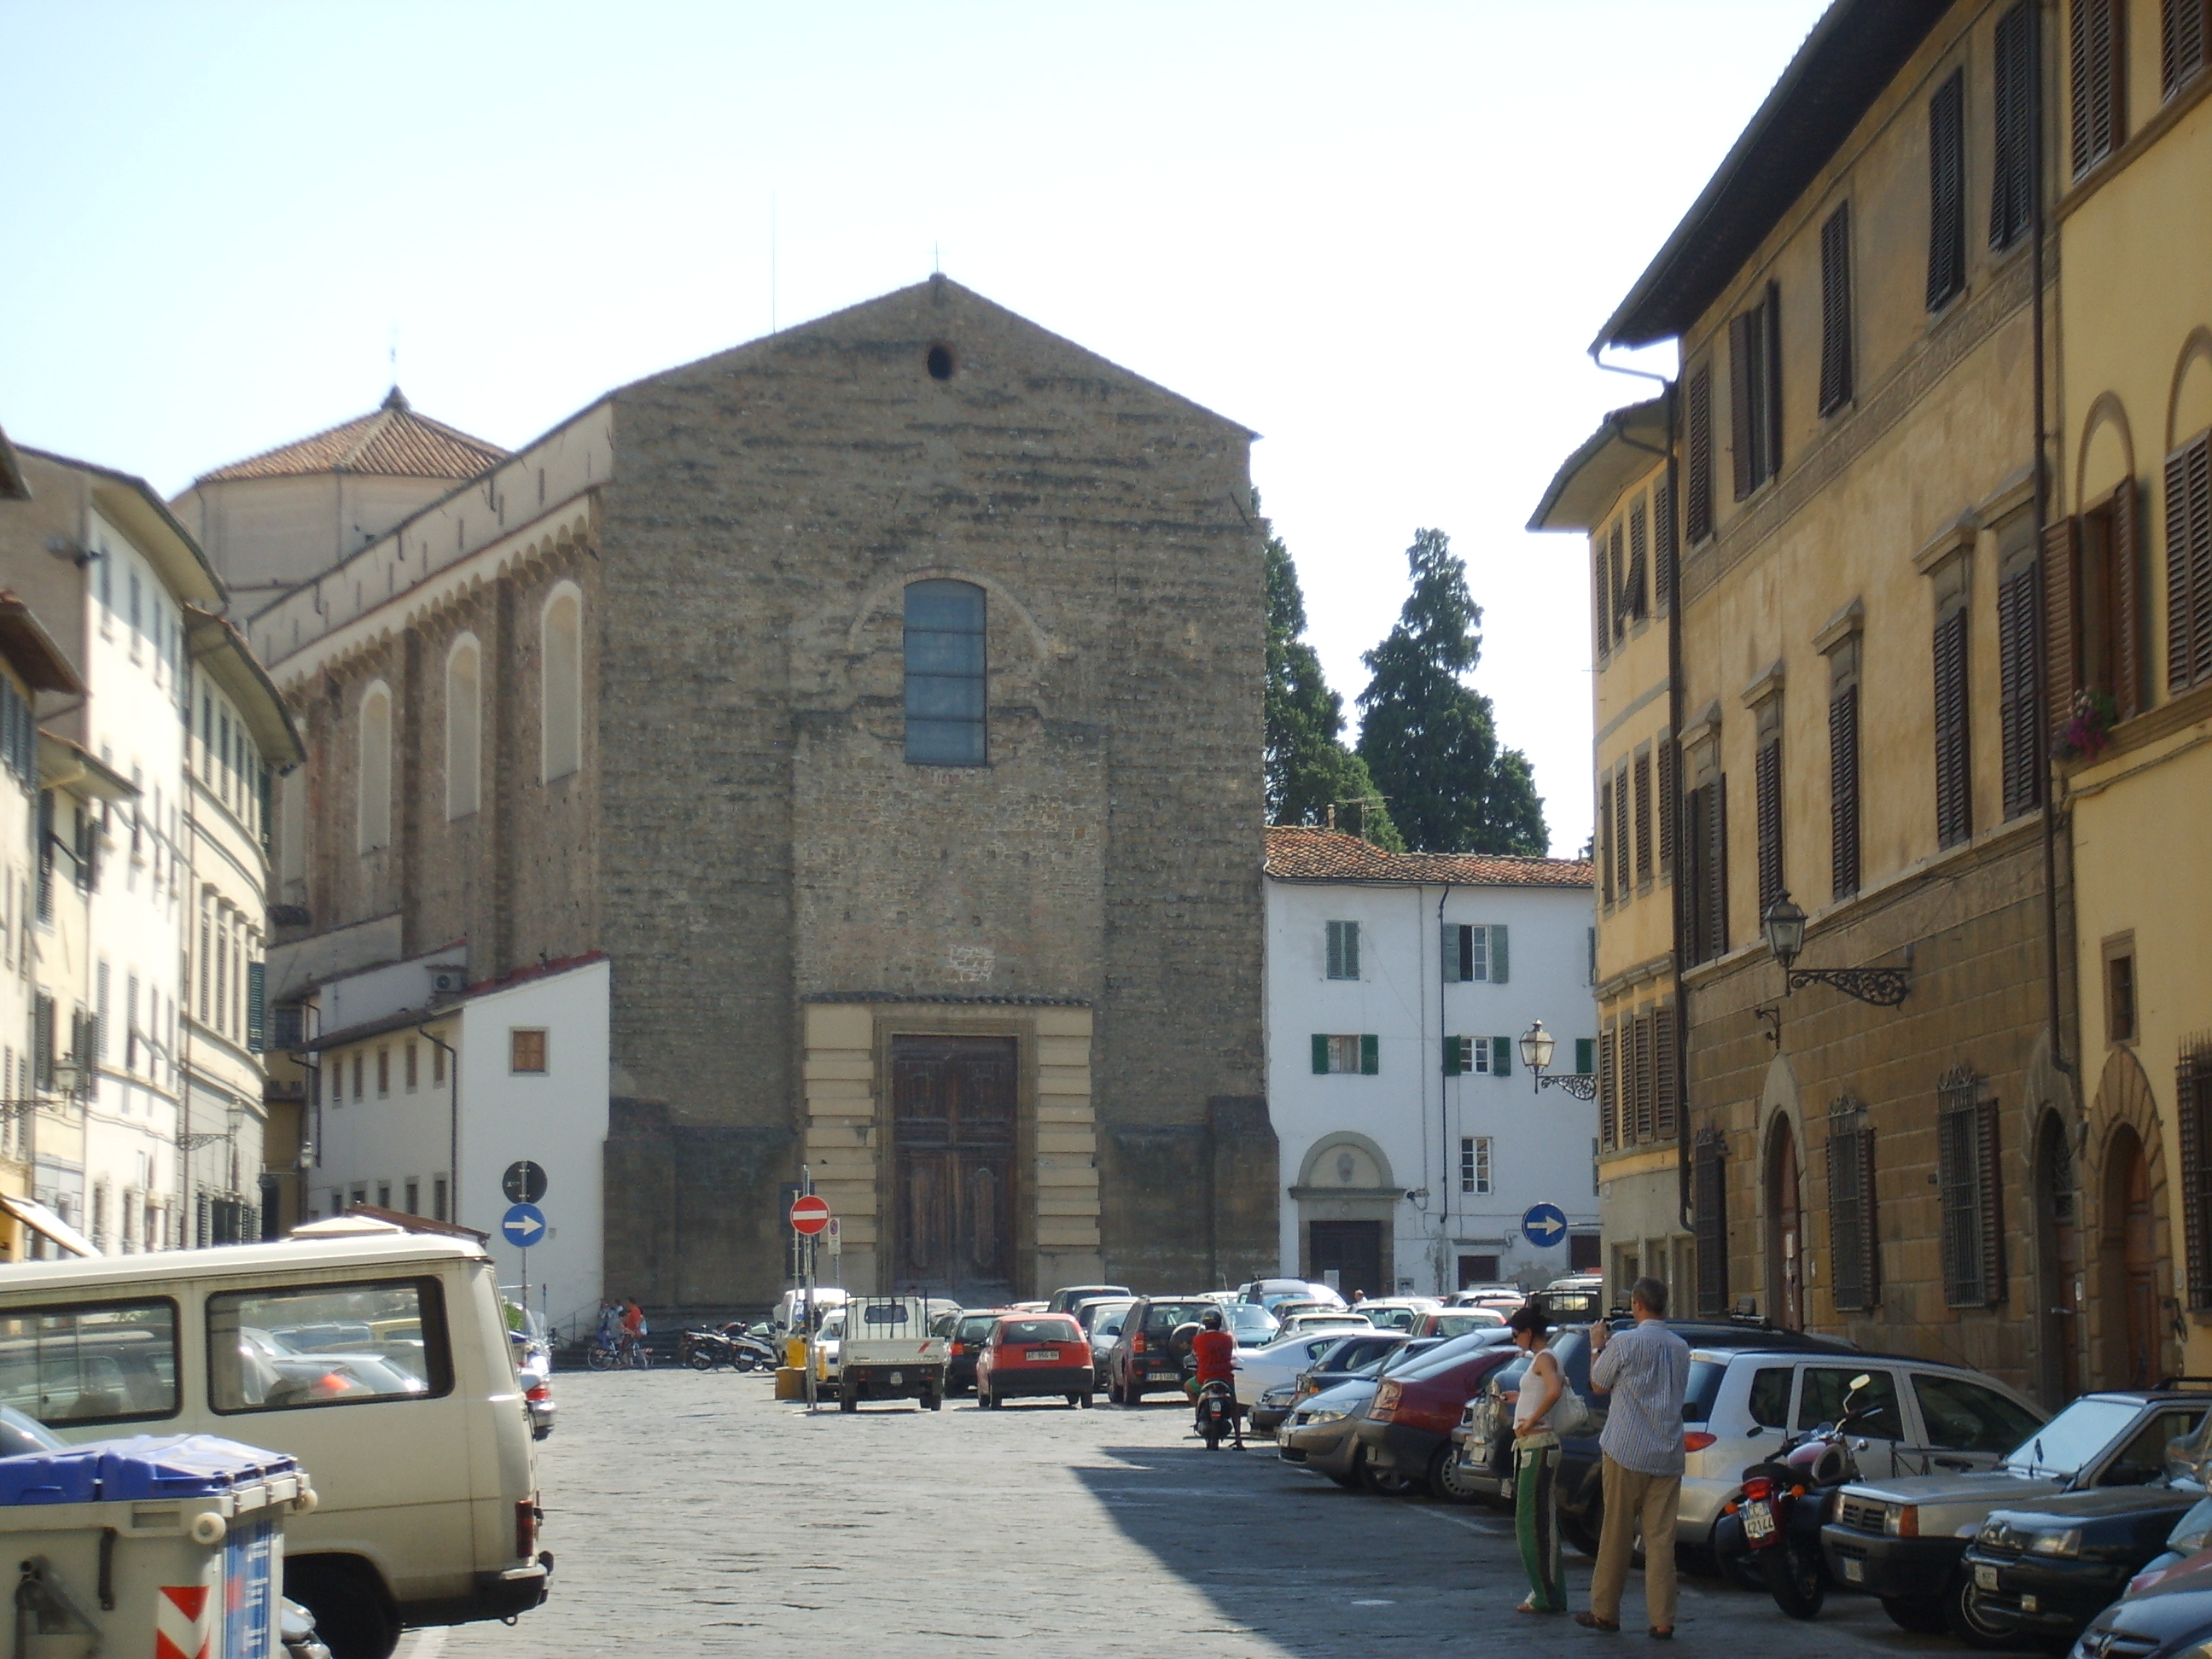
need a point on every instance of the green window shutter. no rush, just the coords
(1451, 1056)
(1585, 1056)
(1371, 1056)
(1498, 956)
(1452, 975)
(1501, 1054)
(1320, 1053)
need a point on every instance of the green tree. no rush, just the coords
(1429, 739)
(1308, 768)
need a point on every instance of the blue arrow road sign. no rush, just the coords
(1544, 1225)
(525, 1224)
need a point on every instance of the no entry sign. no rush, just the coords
(809, 1215)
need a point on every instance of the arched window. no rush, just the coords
(375, 786)
(464, 727)
(944, 674)
(560, 637)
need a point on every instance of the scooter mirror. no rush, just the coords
(1861, 1380)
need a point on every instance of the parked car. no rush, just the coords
(1279, 1362)
(1504, 1297)
(1405, 1432)
(1102, 1320)
(1074, 1296)
(1322, 1432)
(1269, 1292)
(1343, 1319)
(1146, 1358)
(1252, 1325)
(1361, 1354)
(1030, 1355)
(970, 1330)
(1457, 1322)
(2037, 1574)
(1903, 1540)
(1577, 1298)
(1397, 1313)
(533, 1366)
(2167, 1613)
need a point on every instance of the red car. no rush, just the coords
(1405, 1436)
(1035, 1355)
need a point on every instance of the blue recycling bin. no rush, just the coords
(170, 1545)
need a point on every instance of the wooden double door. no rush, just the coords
(954, 1112)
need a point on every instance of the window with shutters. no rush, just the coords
(1698, 424)
(2183, 27)
(1709, 1204)
(2012, 173)
(1666, 1080)
(2020, 724)
(1475, 1164)
(1645, 1100)
(1343, 949)
(1836, 343)
(1755, 392)
(1669, 807)
(946, 685)
(1474, 952)
(2189, 564)
(1663, 548)
(2097, 104)
(1622, 833)
(1608, 1085)
(1766, 783)
(1954, 820)
(1602, 595)
(2193, 1108)
(1608, 853)
(1616, 577)
(1946, 191)
(1642, 791)
(1843, 767)
(1706, 822)
(525, 1052)
(1854, 1237)
(1469, 1056)
(1967, 1183)
(1636, 593)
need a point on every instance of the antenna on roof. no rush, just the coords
(936, 264)
(391, 356)
(771, 262)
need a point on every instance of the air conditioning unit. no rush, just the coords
(448, 982)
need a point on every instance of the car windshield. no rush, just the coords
(977, 1328)
(2070, 1439)
(1446, 1355)
(1089, 1315)
(1249, 1320)
(1038, 1330)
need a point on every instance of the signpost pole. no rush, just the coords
(813, 1336)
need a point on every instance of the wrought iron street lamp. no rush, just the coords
(1537, 1047)
(1784, 927)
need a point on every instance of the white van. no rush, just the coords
(382, 1364)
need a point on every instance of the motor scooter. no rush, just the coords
(1775, 1527)
(1218, 1415)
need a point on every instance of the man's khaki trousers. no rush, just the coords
(1630, 1498)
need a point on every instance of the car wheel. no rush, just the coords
(1968, 1623)
(846, 1402)
(1133, 1396)
(1921, 1618)
(1076, 1400)
(1582, 1530)
(1384, 1483)
(1443, 1477)
(351, 1614)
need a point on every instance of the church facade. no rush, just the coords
(883, 700)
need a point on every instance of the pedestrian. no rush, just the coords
(1359, 1296)
(1646, 1371)
(1536, 1462)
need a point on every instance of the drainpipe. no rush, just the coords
(453, 1127)
(2037, 233)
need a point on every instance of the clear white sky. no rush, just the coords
(1382, 236)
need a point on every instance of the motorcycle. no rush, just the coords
(1775, 1527)
(751, 1348)
(1217, 1415)
(705, 1350)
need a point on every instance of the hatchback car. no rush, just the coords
(971, 1328)
(1278, 1365)
(1405, 1433)
(2038, 1573)
(1147, 1357)
(1030, 1355)
(1269, 1292)
(1457, 1322)
(1074, 1296)
(1397, 1313)
(1361, 1354)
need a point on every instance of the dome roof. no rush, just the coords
(394, 442)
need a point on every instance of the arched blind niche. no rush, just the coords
(561, 635)
(375, 767)
(946, 685)
(464, 727)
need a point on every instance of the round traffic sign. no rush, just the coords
(1544, 1225)
(523, 1225)
(523, 1182)
(809, 1215)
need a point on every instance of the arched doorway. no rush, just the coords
(2128, 1254)
(2058, 1294)
(1785, 1231)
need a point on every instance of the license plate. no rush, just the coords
(2029, 1604)
(1758, 1520)
(1854, 1571)
(1161, 1376)
(1984, 1578)
(1044, 1356)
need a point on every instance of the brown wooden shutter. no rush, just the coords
(2189, 564)
(1947, 190)
(1843, 792)
(1608, 1089)
(2019, 733)
(1836, 310)
(1601, 596)
(2098, 107)
(1669, 805)
(1663, 546)
(1697, 417)
(1615, 563)
(1621, 832)
(1639, 1072)
(2193, 1109)
(1766, 783)
(2125, 587)
(1990, 1179)
(1666, 1117)
(1716, 894)
(1606, 853)
(1746, 341)
(1709, 1203)
(2062, 612)
(1770, 384)
(1637, 600)
(2011, 179)
(1854, 1236)
(1643, 819)
(2183, 29)
(1953, 769)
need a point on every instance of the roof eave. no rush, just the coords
(32, 651)
(137, 510)
(1565, 507)
(219, 649)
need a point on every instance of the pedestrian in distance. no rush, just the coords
(1646, 1371)
(1536, 1462)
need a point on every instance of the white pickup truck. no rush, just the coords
(889, 1351)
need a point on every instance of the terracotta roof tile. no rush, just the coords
(1297, 854)
(394, 442)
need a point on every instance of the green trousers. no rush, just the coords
(1536, 1519)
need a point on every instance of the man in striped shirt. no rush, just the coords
(1646, 1371)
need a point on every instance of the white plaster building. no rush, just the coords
(418, 1075)
(1412, 1138)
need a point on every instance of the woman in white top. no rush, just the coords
(1536, 1462)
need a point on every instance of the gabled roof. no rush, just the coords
(1853, 52)
(1302, 854)
(392, 442)
(1627, 444)
(31, 650)
(131, 504)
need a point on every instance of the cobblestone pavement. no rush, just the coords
(693, 1513)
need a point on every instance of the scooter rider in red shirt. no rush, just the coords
(1215, 1351)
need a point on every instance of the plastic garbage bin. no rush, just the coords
(167, 1545)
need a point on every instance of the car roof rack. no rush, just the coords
(2176, 1384)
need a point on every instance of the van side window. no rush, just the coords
(290, 1346)
(103, 1362)
(1821, 1401)
(1770, 1397)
